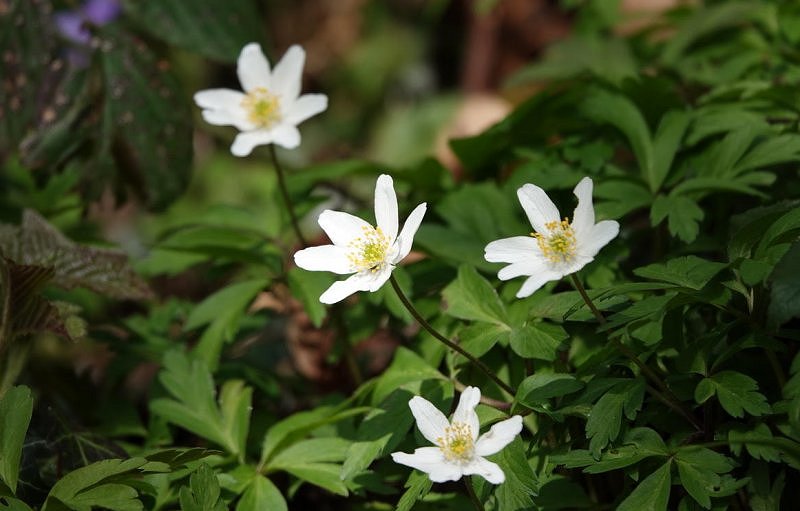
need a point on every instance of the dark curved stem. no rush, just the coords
(447, 342)
(665, 395)
(285, 193)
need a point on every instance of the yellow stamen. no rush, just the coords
(368, 252)
(457, 443)
(558, 243)
(263, 107)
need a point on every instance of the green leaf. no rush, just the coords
(215, 28)
(605, 107)
(479, 338)
(406, 367)
(222, 310)
(637, 445)
(307, 286)
(666, 143)
(605, 418)
(418, 485)
(85, 487)
(698, 469)
(535, 390)
(297, 426)
(190, 383)
(29, 45)
(684, 216)
(784, 293)
(689, 271)
(146, 130)
(16, 407)
(737, 393)
(312, 450)
(607, 58)
(652, 494)
(471, 297)
(381, 430)
(261, 495)
(517, 491)
(325, 475)
(203, 492)
(538, 340)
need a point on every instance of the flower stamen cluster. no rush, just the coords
(368, 252)
(558, 244)
(263, 108)
(457, 443)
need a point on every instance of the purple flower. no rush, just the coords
(73, 24)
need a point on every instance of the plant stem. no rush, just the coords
(472, 496)
(665, 395)
(447, 342)
(287, 201)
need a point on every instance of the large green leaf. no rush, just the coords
(652, 494)
(215, 28)
(471, 297)
(146, 137)
(203, 492)
(194, 407)
(29, 70)
(737, 393)
(261, 495)
(16, 407)
(97, 485)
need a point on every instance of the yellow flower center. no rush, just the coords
(368, 251)
(262, 107)
(457, 443)
(558, 243)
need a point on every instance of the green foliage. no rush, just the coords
(681, 390)
(224, 421)
(16, 407)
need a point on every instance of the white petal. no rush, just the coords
(286, 135)
(219, 99)
(379, 278)
(253, 68)
(431, 461)
(244, 142)
(511, 250)
(386, 206)
(597, 238)
(430, 421)
(583, 217)
(344, 288)
(228, 118)
(465, 411)
(498, 436)
(307, 105)
(341, 227)
(324, 258)
(486, 469)
(406, 237)
(532, 266)
(287, 76)
(538, 206)
(534, 282)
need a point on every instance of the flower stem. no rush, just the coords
(447, 342)
(665, 395)
(287, 201)
(472, 496)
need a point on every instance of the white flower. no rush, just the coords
(370, 253)
(558, 247)
(270, 108)
(459, 451)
